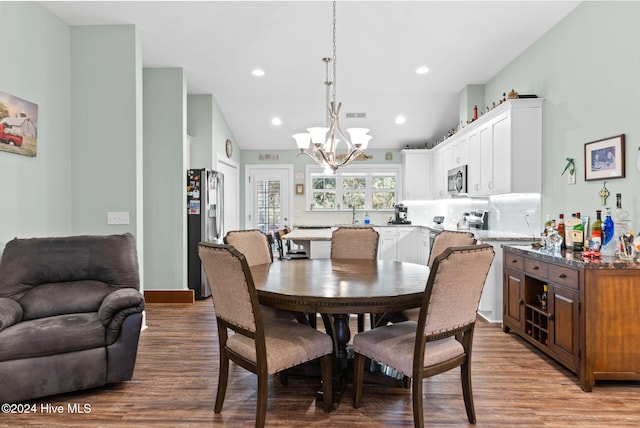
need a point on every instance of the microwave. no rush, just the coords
(457, 180)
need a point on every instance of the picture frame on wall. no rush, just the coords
(18, 125)
(604, 159)
(299, 189)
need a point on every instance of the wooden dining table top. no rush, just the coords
(335, 286)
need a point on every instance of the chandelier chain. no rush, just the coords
(334, 50)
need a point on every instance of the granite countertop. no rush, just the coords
(569, 258)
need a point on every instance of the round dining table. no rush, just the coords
(339, 287)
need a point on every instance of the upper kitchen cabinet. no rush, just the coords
(505, 149)
(417, 174)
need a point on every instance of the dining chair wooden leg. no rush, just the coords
(467, 392)
(358, 375)
(261, 408)
(326, 374)
(223, 377)
(360, 323)
(416, 397)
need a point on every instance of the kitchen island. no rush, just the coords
(316, 242)
(590, 322)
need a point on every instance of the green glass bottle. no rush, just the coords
(578, 235)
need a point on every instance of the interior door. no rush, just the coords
(268, 197)
(231, 188)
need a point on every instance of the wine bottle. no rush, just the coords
(577, 235)
(596, 232)
(545, 297)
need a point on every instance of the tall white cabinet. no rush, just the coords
(417, 174)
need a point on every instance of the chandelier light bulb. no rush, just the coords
(302, 140)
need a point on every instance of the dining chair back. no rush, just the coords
(442, 338)
(449, 238)
(261, 346)
(253, 243)
(442, 241)
(354, 243)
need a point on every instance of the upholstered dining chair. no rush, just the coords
(355, 243)
(261, 346)
(449, 238)
(254, 245)
(443, 336)
(442, 241)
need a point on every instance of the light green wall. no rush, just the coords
(35, 195)
(199, 128)
(587, 69)
(165, 165)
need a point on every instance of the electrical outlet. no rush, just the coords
(118, 217)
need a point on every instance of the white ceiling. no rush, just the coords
(379, 46)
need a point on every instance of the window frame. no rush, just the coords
(368, 171)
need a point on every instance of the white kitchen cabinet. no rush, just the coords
(398, 243)
(473, 166)
(439, 174)
(387, 242)
(460, 152)
(511, 149)
(407, 244)
(490, 307)
(503, 151)
(424, 245)
(417, 174)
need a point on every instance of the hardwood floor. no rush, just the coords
(175, 379)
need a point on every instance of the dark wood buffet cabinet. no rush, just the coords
(591, 324)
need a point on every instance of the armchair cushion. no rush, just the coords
(10, 312)
(60, 298)
(52, 335)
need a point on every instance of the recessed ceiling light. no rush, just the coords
(422, 70)
(258, 72)
(276, 121)
(400, 120)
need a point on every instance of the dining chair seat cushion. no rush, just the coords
(394, 344)
(288, 344)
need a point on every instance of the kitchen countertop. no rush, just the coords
(318, 232)
(571, 259)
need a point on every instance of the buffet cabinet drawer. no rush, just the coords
(563, 276)
(535, 267)
(514, 262)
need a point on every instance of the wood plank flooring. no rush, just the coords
(175, 379)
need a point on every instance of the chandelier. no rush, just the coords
(321, 143)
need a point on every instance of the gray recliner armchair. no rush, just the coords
(70, 314)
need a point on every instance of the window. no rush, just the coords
(356, 187)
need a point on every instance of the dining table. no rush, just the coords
(336, 288)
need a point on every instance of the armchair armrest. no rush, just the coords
(116, 307)
(10, 312)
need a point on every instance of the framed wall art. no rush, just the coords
(604, 159)
(18, 125)
(299, 189)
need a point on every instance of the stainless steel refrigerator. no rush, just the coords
(205, 200)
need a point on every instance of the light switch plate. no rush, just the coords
(118, 217)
